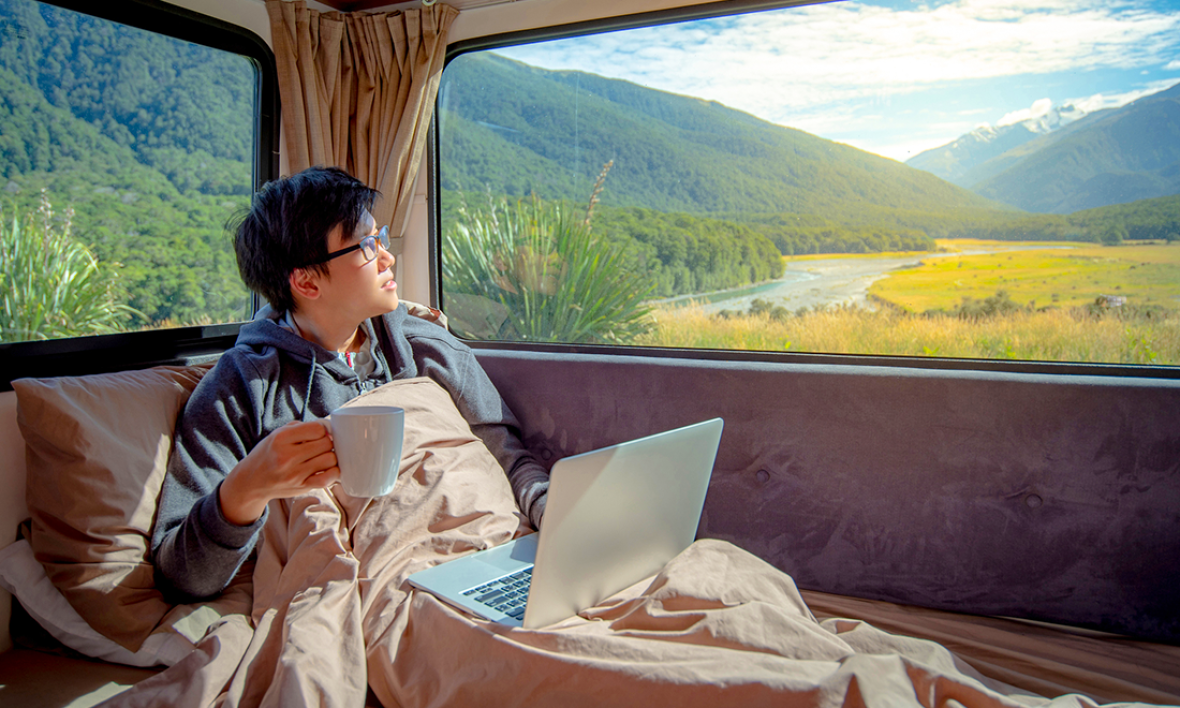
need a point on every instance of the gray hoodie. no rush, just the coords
(273, 376)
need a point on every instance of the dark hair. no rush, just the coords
(287, 228)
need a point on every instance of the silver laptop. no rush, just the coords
(614, 516)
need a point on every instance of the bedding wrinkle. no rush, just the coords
(308, 646)
(1036, 659)
(199, 679)
(866, 640)
(935, 691)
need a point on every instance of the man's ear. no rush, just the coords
(305, 283)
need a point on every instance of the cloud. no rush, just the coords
(809, 66)
(826, 53)
(1038, 109)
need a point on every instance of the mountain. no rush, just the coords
(1108, 157)
(955, 161)
(1125, 155)
(510, 128)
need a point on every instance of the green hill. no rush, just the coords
(1157, 218)
(147, 140)
(141, 90)
(514, 129)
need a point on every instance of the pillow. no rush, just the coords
(23, 576)
(96, 452)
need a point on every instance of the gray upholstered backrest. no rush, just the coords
(1037, 496)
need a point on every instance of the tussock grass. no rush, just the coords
(1054, 335)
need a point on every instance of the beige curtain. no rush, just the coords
(357, 93)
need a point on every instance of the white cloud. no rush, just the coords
(845, 50)
(1038, 109)
(805, 66)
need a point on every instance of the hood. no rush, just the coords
(264, 331)
(262, 335)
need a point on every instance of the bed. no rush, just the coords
(324, 616)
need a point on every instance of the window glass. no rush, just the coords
(123, 154)
(992, 180)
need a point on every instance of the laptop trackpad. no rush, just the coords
(512, 556)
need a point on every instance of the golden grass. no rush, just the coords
(1056, 335)
(1144, 274)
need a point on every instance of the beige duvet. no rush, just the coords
(333, 615)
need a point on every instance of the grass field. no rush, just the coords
(1055, 335)
(1056, 289)
(1063, 277)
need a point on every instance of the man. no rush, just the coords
(333, 329)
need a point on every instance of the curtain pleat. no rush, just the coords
(357, 92)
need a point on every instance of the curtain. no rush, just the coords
(357, 93)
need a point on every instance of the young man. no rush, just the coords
(334, 328)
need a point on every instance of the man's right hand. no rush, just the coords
(293, 459)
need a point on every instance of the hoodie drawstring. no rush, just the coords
(310, 379)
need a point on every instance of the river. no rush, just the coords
(825, 282)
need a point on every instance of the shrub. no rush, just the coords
(534, 271)
(995, 306)
(52, 285)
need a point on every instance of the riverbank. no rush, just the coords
(846, 280)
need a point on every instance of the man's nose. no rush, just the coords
(384, 257)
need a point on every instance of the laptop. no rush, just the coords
(614, 517)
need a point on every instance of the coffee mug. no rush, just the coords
(368, 442)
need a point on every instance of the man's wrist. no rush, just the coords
(238, 508)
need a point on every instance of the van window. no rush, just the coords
(962, 180)
(124, 152)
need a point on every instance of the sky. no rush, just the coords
(896, 77)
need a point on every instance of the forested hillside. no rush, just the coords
(689, 254)
(516, 129)
(148, 141)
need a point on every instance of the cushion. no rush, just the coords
(96, 452)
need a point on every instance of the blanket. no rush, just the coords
(334, 622)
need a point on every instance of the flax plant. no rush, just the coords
(52, 286)
(534, 271)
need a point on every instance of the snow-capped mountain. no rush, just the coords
(954, 161)
(1064, 159)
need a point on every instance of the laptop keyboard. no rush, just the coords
(508, 594)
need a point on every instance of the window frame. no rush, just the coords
(180, 345)
(683, 14)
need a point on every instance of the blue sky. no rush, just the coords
(901, 76)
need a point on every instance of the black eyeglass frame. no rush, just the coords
(381, 237)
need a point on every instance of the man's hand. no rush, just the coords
(290, 461)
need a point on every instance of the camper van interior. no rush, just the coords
(922, 258)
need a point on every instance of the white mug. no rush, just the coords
(368, 442)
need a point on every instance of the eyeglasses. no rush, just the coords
(367, 246)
